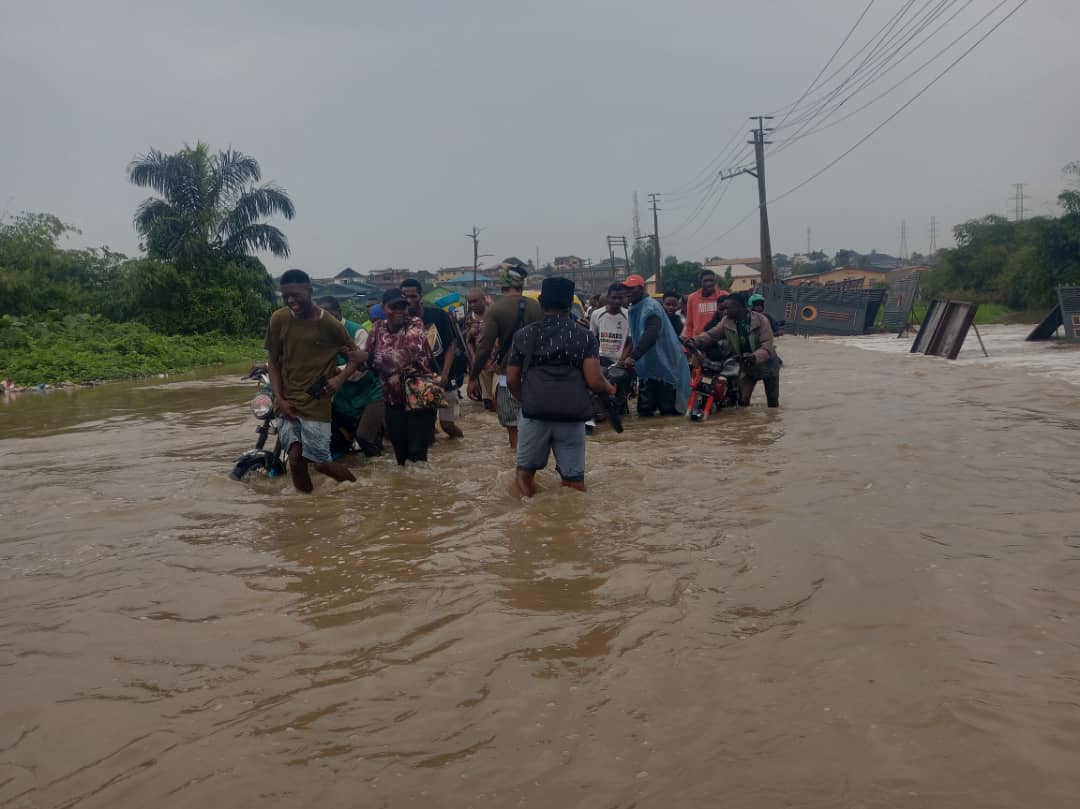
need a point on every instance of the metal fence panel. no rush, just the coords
(898, 304)
(1069, 305)
(944, 328)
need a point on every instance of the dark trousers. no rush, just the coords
(366, 430)
(409, 432)
(655, 394)
(772, 390)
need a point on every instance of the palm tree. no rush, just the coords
(211, 205)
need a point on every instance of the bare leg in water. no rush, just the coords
(298, 468)
(526, 480)
(301, 477)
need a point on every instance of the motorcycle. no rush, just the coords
(714, 383)
(271, 463)
(615, 405)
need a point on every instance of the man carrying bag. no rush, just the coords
(551, 366)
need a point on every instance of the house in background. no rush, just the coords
(720, 264)
(444, 274)
(465, 281)
(348, 276)
(565, 264)
(852, 277)
(743, 277)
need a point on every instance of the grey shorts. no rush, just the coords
(314, 437)
(537, 438)
(506, 406)
(453, 408)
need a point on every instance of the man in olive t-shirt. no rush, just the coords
(303, 343)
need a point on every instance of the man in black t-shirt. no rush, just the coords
(445, 344)
(550, 422)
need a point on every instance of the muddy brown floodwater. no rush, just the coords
(867, 599)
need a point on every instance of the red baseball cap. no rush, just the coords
(634, 281)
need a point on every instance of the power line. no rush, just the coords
(903, 107)
(821, 72)
(880, 64)
(788, 142)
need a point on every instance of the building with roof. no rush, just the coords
(849, 277)
(743, 277)
(465, 281)
(754, 262)
(348, 276)
(444, 274)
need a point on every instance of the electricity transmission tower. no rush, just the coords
(933, 236)
(1018, 202)
(903, 240)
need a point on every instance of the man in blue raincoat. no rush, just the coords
(656, 355)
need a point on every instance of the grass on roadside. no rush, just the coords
(83, 348)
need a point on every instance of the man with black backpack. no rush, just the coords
(502, 320)
(551, 367)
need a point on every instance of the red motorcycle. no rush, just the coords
(713, 383)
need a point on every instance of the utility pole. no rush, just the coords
(933, 237)
(808, 250)
(613, 242)
(767, 274)
(1018, 202)
(475, 236)
(655, 199)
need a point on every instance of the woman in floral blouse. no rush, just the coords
(397, 350)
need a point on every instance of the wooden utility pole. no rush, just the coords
(475, 236)
(767, 274)
(654, 198)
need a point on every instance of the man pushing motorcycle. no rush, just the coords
(750, 336)
(303, 343)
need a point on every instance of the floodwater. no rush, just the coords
(870, 598)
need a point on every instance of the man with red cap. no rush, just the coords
(656, 354)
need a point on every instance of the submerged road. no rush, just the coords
(870, 598)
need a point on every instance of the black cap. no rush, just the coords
(392, 296)
(557, 293)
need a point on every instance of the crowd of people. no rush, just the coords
(340, 386)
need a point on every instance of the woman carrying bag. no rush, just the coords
(398, 351)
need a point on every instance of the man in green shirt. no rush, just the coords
(358, 407)
(303, 343)
(501, 321)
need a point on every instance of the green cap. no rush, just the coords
(756, 299)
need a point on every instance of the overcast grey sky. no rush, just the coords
(398, 126)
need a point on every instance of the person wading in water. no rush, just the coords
(303, 343)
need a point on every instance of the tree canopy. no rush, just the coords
(210, 206)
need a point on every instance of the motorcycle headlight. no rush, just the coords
(262, 406)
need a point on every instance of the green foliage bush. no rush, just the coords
(233, 296)
(82, 348)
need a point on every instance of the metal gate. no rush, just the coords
(899, 302)
(818, 310)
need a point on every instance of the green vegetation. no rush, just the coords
(196, 298)
(1017, 264)
(82, 348)
(683, 277)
